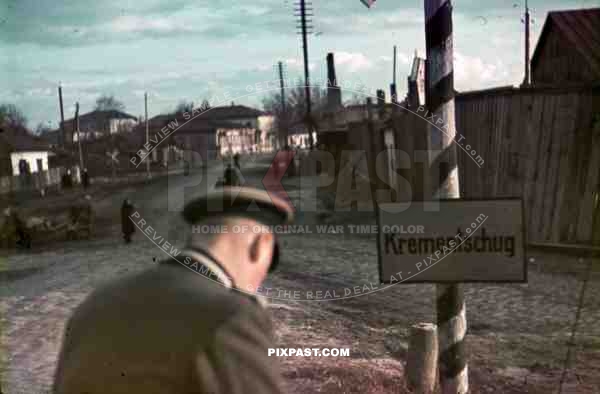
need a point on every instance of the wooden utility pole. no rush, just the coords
(147, 137)
(305, 30)
(283, 137)
(62, 137)
(450, 305)
(527, 79)
(78, 136)
(393, 91)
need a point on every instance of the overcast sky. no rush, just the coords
(193, 49)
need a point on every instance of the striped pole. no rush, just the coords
(450, 305)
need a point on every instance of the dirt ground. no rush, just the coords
(517, 333)
(517, 338)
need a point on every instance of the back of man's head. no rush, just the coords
(242, 245)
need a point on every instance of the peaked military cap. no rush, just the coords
(240, 201)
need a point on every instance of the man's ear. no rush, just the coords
(261, 248)
(275, 257)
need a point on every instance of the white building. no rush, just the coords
(242, 129)
(24, 153)
(97, 124)
(35, 161)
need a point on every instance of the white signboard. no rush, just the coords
(452, 241)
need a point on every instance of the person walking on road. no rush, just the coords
(191, 323)
(127, 225)
(236, 161)
(231, 177)
(67, 180)
(85, 179)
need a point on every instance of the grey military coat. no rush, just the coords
(168, 330)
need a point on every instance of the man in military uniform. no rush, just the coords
(127, 226)
(232, 176)
(190, 324)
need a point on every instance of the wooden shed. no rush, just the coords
(568, 50)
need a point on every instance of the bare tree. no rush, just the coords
(295, 107)
(109, 103)
(205, 105)
(184, 106)
(188, 106)
(11, 116)
(42, 128)
(295, 103)
(106, 103)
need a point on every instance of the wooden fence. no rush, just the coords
(540, 144)
(32, 182)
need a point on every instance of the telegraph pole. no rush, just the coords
(450, 304)
(283, 122)
(527, 79)
(393, 91)
(147, 137)
(62, 138)
(305, 30)
(78, 135)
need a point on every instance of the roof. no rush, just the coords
(232, 112)
(187, 126)
(580, 28)
(111, 114)
(20, 140)
(51, 137)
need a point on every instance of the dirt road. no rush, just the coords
(517, 333)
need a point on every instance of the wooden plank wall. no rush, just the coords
(410, 135)
(538, 144)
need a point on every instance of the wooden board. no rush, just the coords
(462, 241)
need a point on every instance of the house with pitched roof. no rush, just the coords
(568, 50)
(219, 130)
(98, 124)
(22, 153)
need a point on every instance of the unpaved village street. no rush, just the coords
(517, 338)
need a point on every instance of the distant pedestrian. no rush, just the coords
(231, 177)
(236, 161)
(127, 225)
(67, 180)
(85, 178)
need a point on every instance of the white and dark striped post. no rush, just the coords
(450, 304)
